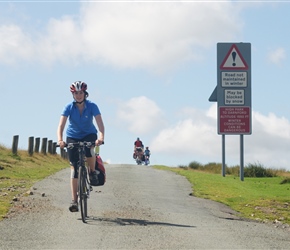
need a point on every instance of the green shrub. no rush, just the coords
(286, 180)
(234, 170)
(213, 167)
(250, 170)
(258, 170)
(195, 165)
(183, 167)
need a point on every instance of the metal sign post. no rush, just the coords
(223, 155)
(233, 94)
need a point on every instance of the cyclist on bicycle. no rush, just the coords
(147, 152)
(80, 113)
(138, 148)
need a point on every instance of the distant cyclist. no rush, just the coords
(147, 155)
(147, 152)
(138, 148)
(80, 113)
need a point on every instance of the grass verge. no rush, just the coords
(19, 172)
(261, 199)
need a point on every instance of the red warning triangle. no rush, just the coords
(234, 60)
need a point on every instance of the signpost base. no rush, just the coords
(223, 156)
(242, 157)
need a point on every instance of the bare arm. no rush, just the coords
(101, 129)
(60, 129)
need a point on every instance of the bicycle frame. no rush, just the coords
(147, 161)
(84, 187)
(139, 155)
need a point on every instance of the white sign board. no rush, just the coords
(234, 79)
(234, 97)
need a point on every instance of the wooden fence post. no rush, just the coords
(54, 148)
(44, 145)
(50, 146)
(37, 144)
(15, 144)
(63, 153)
(30, 145)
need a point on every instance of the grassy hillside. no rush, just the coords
(265, 199)
(19, 172)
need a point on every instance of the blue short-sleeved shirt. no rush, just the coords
(81, 125)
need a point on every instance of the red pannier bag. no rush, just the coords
(101, 171)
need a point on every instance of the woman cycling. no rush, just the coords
(80, 113)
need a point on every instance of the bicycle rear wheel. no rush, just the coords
(83, 192)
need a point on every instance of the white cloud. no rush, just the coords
(62, 41)
(195, 134)
(14, 44)
(152, 34)
(270, 142)
(141, 115)
(271, 124)
(195, 138)
(277, 56)
(127, 35)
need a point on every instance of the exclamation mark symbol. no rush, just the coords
(234, 58)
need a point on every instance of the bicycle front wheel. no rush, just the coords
(83, 192)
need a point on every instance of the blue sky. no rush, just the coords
(150, 67)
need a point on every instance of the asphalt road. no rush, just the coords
(138, 208)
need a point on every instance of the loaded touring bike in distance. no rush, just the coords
(84, 186)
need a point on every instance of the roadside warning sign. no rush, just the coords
(234, 60)
(234, 120)
(233, 95)
(233, 90)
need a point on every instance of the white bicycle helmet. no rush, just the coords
(78, 86)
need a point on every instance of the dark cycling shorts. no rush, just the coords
(73, 152)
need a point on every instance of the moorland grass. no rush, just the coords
(264, 199)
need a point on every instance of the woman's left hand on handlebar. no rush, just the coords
(99, 142)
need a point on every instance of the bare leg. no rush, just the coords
(74, 188)
(91, 163)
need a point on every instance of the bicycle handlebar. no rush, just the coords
(79, 144)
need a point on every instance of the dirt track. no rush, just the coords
(138, 208)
